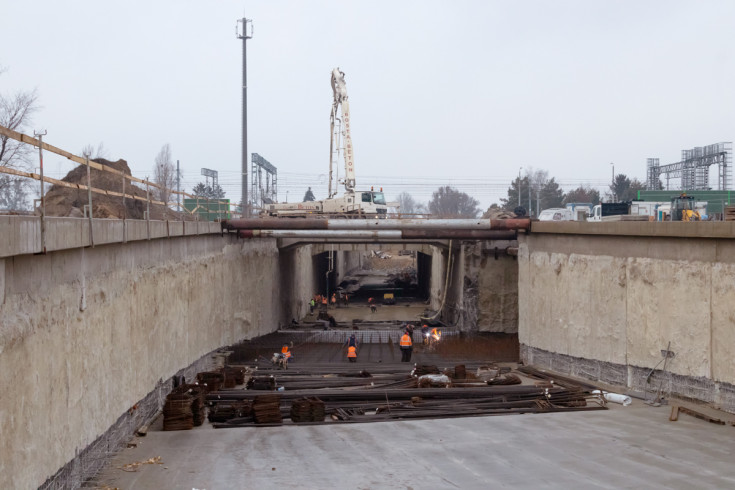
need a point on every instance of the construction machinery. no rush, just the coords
(353, 203)
(683, 209)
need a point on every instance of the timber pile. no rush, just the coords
(729, 213)
(307, 410)
(211, 379)
(267, 409)
(177, 414)
(267, 383)
(222, 412)
(314, 395)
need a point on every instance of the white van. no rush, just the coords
(555, 214)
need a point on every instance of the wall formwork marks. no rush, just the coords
(88, 333)
(609, 305)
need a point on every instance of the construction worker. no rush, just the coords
(334, 300)
(352, 341)
(286, 353)
(406, 345)
(347, 299)
(352, 353)
(312, 304)
(324, 302)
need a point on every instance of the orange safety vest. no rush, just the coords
(285, 352)
(406, 341)
(352, 351)
(324, 300)
(434, 332)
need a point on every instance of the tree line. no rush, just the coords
(533, 193)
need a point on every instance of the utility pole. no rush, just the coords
(242, 32)
(178, 187)
(612, 187)
(519, 185)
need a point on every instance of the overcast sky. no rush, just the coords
(462, 92)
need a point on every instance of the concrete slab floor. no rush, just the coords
(629, 447)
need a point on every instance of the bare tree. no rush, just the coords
(406, 203)
(164, 173)
(448, 202)
(89, 151)
(16, 111)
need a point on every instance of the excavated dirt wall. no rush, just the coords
(617, 301)
(88, 334)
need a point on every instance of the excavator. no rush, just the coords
(682, 209)
(353, 203)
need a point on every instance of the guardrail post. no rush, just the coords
(148, 209)
(89, 196)
(43, 200)
(125, 212)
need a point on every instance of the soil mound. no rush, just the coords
(63, 201)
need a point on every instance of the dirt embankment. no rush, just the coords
(63, 201)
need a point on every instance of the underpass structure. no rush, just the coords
(107, 319)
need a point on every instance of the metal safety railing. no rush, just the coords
(41, 145)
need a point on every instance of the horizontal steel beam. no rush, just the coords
(375, 224)
(383, 234)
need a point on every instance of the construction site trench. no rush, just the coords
(155, 357)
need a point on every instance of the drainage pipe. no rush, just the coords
(374, 224)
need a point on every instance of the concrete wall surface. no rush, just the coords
(86, 333)
(298, 282)
(483, 286)
(22, 234)
(620, 300)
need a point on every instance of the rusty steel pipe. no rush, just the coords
(375, 224)
(462, 234)
(357, 234)
(382, 234)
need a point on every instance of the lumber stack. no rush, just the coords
(267, 409)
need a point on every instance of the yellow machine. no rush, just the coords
(690, 215)
(389, 299)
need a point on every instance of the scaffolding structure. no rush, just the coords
(693, 169)
(264, 182)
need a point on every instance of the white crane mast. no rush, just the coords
(341, 102)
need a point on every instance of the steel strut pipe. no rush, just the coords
(375, 224)
(382, 234)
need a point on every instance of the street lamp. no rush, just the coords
(612, 187)
(519, 185)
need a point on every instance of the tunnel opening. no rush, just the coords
(326, 271)
(406, 275)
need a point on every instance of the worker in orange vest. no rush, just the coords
(324, 301)
(286, 353)
(334, 300)
(406, 345)
(352, 353)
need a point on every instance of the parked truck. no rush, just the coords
(609, 209)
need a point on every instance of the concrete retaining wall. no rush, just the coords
(619, 300)
(88, 333)
(483, 287)
(22, 234)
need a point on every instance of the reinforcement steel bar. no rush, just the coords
(383, 234)
(375, 224)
